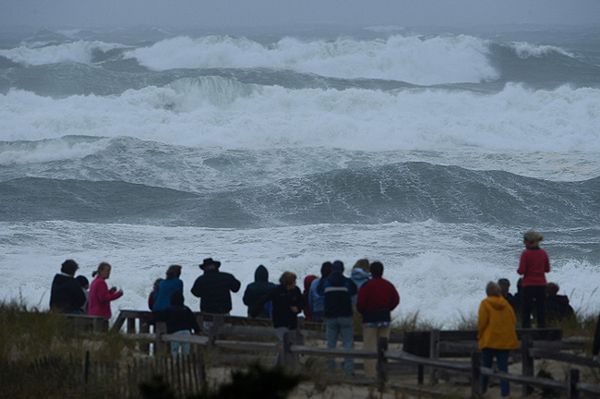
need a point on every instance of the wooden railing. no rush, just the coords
(239, 334)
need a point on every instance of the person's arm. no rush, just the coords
(197, 288)
(352, 289)
(547, 264)
(394, 298)
(522, 264)
(482, 320)
(115, 294)
(77, 295)
(246, 297)
(362, 300)
(235, 284)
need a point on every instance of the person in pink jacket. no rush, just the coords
(99, 296)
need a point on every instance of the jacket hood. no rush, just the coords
(308, 281)
(359, 274)
(337, 266)
(261, 274)
(496, 302)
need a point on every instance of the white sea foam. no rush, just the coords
(219, 112)
(47, 150)
(78, 51)
(526, 50)
(415, 59)
(437, 268)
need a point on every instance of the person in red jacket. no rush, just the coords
(376, 300)
(99, 296)
(533, 266)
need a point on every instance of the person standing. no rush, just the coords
(167, 288)
(533, 266)
(316, 302)
(85, 286)
(66, 295)
(256, 291)
(214, 288)
(308, 280)
(338, 292)
(180, 321)
(376, 300)
(99, 296)
(496, 333)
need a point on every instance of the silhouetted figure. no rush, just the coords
(85, 285)
(287, 303)
(153, 293)
(167, 288)
(66, 295)
(533, 265)
(497, 335)
(256, 291)
(308, 280)
(214, 288)
(338, 292)
(100, 296)
(316, 301)
(557, 306)
(504, 285)
(376, 300)
(180, 320)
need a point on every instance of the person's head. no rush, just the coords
(362, 264)
(308, 281)
(69, 267)
(504, 285)
(174, 271)
(337, 267)
(209, 264)
(288, 280)
(103, 270)
(83, 282)
(326, 269)
(552, 289)
(376, 269)
(177, 299)
(261, 274)
(492, 289)
(532, 238)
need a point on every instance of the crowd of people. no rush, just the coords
(331, 298)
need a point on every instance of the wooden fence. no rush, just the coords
(453, 352)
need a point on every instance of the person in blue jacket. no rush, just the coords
(167, 288)
(316, 301)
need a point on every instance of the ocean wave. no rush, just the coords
(79, 51)
(405, 192)
(218, 112)
(413, 59)
(525, 50)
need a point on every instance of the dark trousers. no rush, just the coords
(487, 357)
(535, 294)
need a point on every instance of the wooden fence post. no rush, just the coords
(215, 327)
(573, 380)
(131, 325)
(434, 352)
(160, 347)
(382, 346)
(527, 366)
(144, 329)
(475, 374)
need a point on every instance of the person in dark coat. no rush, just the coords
(256, 291)
(596, 345)
(533, 266)
(153, 293)
(214, 288)
(557, 306)
(84, 283)
(66, 295)
(180, 320)
(338, 292)
(287, 303)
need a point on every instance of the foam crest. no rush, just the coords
(79, 51)
(65, 148)
(413, 59)
(514, 119)
(526, 50)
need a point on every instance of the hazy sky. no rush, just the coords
(200, 13)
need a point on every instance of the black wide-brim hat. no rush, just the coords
(208, 262)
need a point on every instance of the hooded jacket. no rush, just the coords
(496, 324)
(66, 295)
(376, 300)
(255, 293)
(359, 276)
(338, 292)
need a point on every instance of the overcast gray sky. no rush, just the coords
(200, 13)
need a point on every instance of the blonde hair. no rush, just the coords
(362, 264)
(101, 266)
(287, 278)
